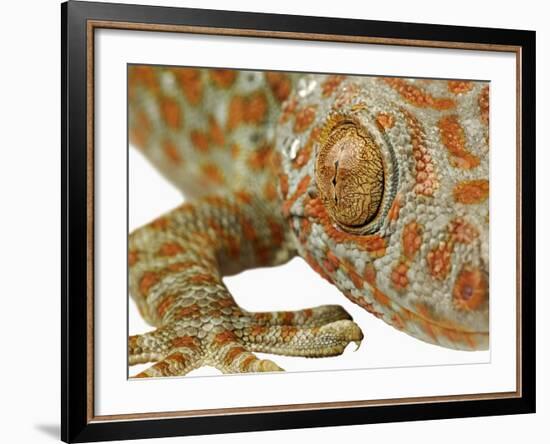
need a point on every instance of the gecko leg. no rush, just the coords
(327, 340)
(176, 267)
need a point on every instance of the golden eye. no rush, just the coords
(350, 175)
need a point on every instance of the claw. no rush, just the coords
(267, 365)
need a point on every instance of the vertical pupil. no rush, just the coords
(350, 175)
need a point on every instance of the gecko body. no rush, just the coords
(380, 184)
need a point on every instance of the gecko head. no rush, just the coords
(379, 208)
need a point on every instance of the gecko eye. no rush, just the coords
(350, 174)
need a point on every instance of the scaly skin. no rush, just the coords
(380, 184)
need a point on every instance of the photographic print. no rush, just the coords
(277, 221)
(369, 195)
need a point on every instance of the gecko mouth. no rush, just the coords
(470, 292)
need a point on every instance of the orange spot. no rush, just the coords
(177, 357)
(170, 249)
(224, 337)
(304, 118)
(243, 197)
(247, 362)
(140, 131)
(223, 78)
(262, 317)
(215, 132)
(393, 214)
(233, 354)
(249, 232)
(251, 110)
(260, 157)
(462, 231)
(233, 246)
(235, 113)
(133, 342)
(181, 266)
(385, 121)
(190, 311)
(171, 112)
(399, 276)
(144, 76)
(471, 191)
(133, 257)
(283, 183)
(171, 151)
(279, 84)
(190, 82)
(148, 279)
(185, 341)
(212, 174)
(333, 260)
(417, 96)
(288, 332)
(160, 224)
(452, 136)
(459, 86)
(199, 140)
(470, 289)
(331, 83)
(256, 108)
(483, 102)
(355, 278)
(286, 317)
(439, 260)
(165, 304)
(258, 330)
(411, 239)
(370, 274)
(201, 278)
(277, 233)
(270, 191)
(305, 230)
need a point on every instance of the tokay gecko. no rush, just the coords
(380, 184)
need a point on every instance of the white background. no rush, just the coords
(29, 238)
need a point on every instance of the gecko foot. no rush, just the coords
(227, 338)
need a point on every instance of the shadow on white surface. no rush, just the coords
(50, 430)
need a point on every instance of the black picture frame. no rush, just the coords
(77, 424)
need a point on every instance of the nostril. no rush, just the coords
(467, 292)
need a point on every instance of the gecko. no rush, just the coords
(381, 184)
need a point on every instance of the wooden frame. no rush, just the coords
(79, 21)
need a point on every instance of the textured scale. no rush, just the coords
(380, 184)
